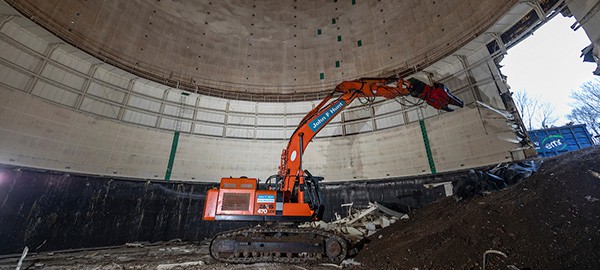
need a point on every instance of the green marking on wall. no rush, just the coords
(322, 76)
(339, 38)
(332, 21)
(319, 31)
(353, 2)
(427, 147)
(337, 64)
(172, 156)
(359, 43)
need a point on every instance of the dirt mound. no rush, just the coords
(549, 221)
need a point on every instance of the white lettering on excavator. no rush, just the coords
(317, 123)
(324, 117)
(336, 107)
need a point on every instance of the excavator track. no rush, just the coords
(279, 244)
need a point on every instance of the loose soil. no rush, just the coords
(551, 220)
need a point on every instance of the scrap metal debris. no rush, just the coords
(478, 183)
(513, 122)
(359, 223)
(482, 182)
(491, 251)
(23, 255)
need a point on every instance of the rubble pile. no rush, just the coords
(550, 220)
(359, 223)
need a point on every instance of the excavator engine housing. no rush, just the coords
(240, 199)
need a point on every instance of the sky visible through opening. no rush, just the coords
(548, 64)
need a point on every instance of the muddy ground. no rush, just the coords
(173, 255)
(549, 221)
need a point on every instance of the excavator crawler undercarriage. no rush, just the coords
(278, 244)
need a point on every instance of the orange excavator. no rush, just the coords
(293, 194)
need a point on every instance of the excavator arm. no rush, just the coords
(290, 170)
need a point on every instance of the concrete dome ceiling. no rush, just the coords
(267, 50)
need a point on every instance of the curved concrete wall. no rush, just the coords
(37, 133)
(42, 65)
(63, 109)
(288, 49)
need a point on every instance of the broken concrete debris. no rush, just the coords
(132, 245)
(347, 263)
(178, 265)
(350, 263)
(589, 198)
(359, 223)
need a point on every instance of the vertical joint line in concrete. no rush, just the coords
(86, 85)
(404, 114)
(427, 147)
(195, 114)
(180, 111)
(161, 111)
(226, 120)
(172, 156)
(6, 19)
(373, 121)
(343, 116)
(430, 77)
(497, 78)
(126, 99)
(499, 41)
(285, 118)
(42, 65)
(465, 63)
(535, 5)
(256, 121)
